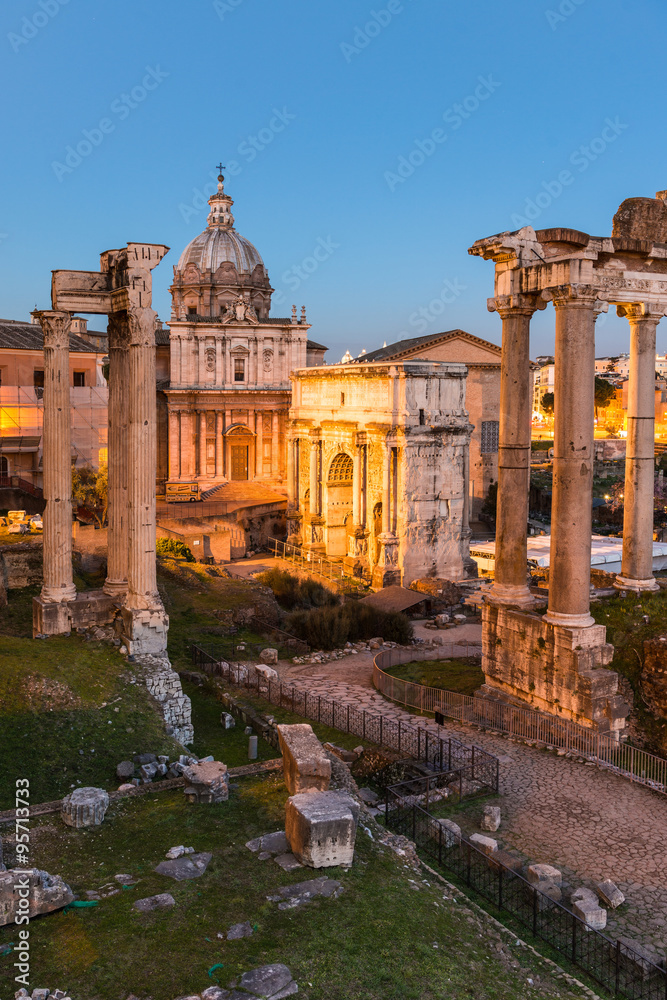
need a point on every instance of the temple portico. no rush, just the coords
(553, 661)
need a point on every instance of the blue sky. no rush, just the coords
(389, 135)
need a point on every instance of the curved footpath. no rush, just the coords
(590, 823)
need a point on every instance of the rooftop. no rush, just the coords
(18, 336)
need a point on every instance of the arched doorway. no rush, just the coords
(377, 531)
(239, 442)
(339, 503)
(4, 465)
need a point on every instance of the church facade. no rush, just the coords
(229, 390)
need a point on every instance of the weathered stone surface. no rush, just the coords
(368, 796)
(491, 818)
(654, 675)
(302, 892)
(227, 721)
(206, 782)
(238, 931)
(544, 873)
(271, 843)
(215, 993)
(305, 764)
(163, 901)
(178, 852)
(183, 868)
(321, 828)
(487, 845)
(445, 831)
(267, 673)
(145, 758)
(591, 913)
(267, 981)
(269, 656)
(45, 893)
(288, 862)
(610, 894)
(84, 807)
(125, 769)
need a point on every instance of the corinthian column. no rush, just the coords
(202, 442)
(174, 445)
(572, 501)
(510, 585)
(637, 567)
(142, 456)
(117, 538)
(58, 586)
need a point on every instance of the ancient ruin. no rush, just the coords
(377, 469)
(553, 661)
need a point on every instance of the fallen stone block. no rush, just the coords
(321, 828)
(305, 764)
(125, 769)
(178, 852)
(268, 674)
(191, 866)
(163, 901)
(238, 931)
(636, 960)
(610, 894)
(269, 981)
(269, 656)
(544, 873)
(368, 796)
(206, 782)
(584, 895)
(46, 893)
(491, 818)
(84, 807)
(125, 787)
(287, 861)
(227, 721)
(302, 892)
(593, 915)
(487, 845)
(446, 831)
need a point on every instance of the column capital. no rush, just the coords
(55, 327)
(573, 296)
(648, 312)
(514, 305)
(141, 326)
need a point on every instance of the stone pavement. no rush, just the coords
(588, 822)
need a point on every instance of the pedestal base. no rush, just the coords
(638, 586)
(93, 607)
(145, 630)
(553, 668)
(385, 576)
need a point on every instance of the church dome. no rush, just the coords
(216, 246)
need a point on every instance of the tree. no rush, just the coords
(548, 402)
(604, 393)
(489, 507)
(90, 489)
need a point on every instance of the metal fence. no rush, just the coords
(318, 565)
(442, 753)
(630, 762)
(616, 966)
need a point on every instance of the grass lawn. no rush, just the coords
(463, 675)
(375, 941)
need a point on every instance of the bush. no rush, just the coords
(329, 628)
(172, 547)
(292, 592)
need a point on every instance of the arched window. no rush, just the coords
(4, 465)
(341, 469)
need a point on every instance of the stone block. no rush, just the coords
(190, 866)
(125, 770)
(491, 818)
(321, 828)
(269, 656)
(206, 782)
(268, 981)
(305, 764)
(163, 901)
(84, 807)
(268, 674)
(49, 618)
(227, 721)
(593, 915)
(610, 894)
(451, 832)
(487, 845)
(543, 873)
(238, 931)
(45, 893)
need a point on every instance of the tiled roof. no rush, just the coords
(312, 346)
(162, 337)
(17, 336)
(402, 346)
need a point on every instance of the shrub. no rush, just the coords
(172, 547)
(329, 628)
(292, 592)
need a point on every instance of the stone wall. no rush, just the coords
(558, 670)
(654, 676)
(21, 564)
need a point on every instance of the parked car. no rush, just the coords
(36, 523)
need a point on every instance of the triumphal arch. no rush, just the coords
(377, 468)
(122, 290)
(556, 660)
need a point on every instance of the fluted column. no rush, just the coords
(386, 491)
(356, 486)
(117, 531)
(637, 567)
(202, 442)
(314, 478)
(275, 447)
(58, 586)
(259, 443)
(572, 500)
(511, 562)
(174, 445)
(142, 451)
(218, 444)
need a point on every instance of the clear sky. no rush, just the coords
(388, 136)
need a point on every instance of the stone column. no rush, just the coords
(292, 494)
(174, 445)
(259, 443)
(202, 442)
(58, 586)
(275, 447)
(356, 486)
(218, 444)
(637, 567)
(117, 537)
(510, 586)
(314, 478)
(386, 491)
(572, 500)
(142, 452)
